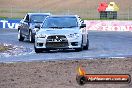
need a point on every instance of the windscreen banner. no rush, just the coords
(108, 25)
(9, 23)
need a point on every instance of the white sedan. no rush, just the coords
(61, 32)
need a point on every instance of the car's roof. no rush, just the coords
(63, 16)
(39, 13)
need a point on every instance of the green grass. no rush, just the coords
(3, 17)
(4, 48)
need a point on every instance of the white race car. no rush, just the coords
(61, 32)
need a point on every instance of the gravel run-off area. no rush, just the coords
(61, 74)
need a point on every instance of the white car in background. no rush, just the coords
(61, 32)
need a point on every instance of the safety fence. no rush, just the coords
(88, 13)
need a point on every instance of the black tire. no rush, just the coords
(38, 50)
(20, 37)
(87, 45)
(31, 38)
(79, 49)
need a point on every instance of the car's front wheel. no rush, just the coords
(79, 49)
(38, 50)
(87, 45)
(31, 39)
(20, 37)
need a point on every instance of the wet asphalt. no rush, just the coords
(102, 45)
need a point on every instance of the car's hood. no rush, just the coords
(56, 31)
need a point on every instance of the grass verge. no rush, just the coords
(4, 47)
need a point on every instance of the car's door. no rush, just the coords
(21, 25)
(26, 25)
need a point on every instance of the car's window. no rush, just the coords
(26, 18)
(37, 18)
(60, 22)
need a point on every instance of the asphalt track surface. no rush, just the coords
(102, 45)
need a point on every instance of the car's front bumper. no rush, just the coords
(68, 43)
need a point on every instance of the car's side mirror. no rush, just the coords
(82, 21)
(37, 26)
(83, 26)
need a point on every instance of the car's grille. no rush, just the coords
(57, 41)
(54, 36)
(57, 38)
(57, 44)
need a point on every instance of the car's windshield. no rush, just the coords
(37, 18)
(60, 22)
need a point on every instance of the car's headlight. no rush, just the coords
(75, 35)
(40, 36)
(36, 29)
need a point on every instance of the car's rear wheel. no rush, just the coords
(20, 37)
(31, 39)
